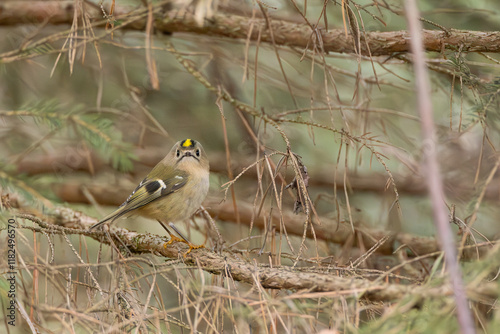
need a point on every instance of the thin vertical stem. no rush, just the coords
(434, 180)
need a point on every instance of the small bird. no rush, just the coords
(172, 191)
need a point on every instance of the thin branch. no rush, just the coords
(434, 179)
(242, 27)
(313, 280)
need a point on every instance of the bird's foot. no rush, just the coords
(193, 246)
(173, 239)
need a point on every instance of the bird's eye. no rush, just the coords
(177, 153)
(198, 153)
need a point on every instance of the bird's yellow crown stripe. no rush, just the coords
(187, 143)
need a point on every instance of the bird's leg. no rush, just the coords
(173, 238)
(182, 238)
(191, 245)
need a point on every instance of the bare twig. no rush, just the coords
(434, 180)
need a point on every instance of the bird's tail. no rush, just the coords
(98, 224)
(112, 216)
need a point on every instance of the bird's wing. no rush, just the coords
(146, 192)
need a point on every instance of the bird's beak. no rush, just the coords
(188, 154)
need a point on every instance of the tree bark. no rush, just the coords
(228, 25)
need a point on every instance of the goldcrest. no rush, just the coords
(172, 191)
